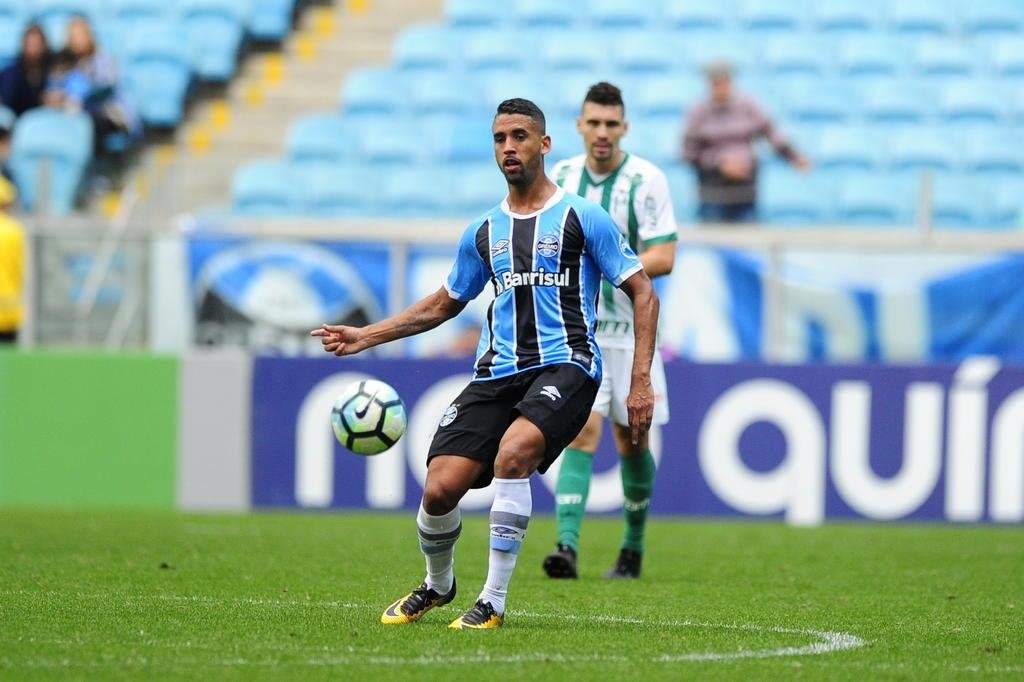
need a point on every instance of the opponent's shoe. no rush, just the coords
(628, 565)
(561, 563)
(412, 606)
(480, 617)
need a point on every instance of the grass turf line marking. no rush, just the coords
(829, 642)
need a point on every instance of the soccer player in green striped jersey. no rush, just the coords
(635, 192)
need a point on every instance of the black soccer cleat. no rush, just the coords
(628, 565)
(414, 605)
(481, 617)
(561, 563)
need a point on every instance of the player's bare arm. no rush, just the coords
(421, 316)
(658, 259)
(640, 402)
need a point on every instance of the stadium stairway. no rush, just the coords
(272, 90)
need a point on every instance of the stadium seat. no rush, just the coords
(620, 14)
(698, 50)
(922, 149)
(568, 96)
(870, 55)
(54, 15)
(157, 74)
(921, 17)
(270, 19)
(384, 141)
(373, 92)
(320, 138)
(1007, 208)
(481, 52)
(995, 151)
(474, 13)
(51, 149)
(698, 15)
(13, 19)
(266, 188)
(464, 140)
(682, 185)
(960, 201)
(971, 101)
(666, 96)
(415, 191)
(646, 52)
(441, 92)
(771, 15)
(337, 190)
(660, 142)
(873, 199)
(133, 12)
(789, 56)
(944, 58)
(576, 51)
(534, 87)
(893, 101)
(993, 17)
(1006, 57)
(476, 188)
(847, 16)
(214, 30)
(424, 47)
(545, 13)
(811, 100)
(565, 139)
(789, 198)
(848, 148)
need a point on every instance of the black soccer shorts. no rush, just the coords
(556, 398)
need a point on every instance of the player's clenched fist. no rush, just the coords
(339, 339)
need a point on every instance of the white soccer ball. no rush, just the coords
(368, 417)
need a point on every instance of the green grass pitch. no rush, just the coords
(298, 596)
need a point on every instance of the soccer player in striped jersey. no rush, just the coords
(635, 193)
(538, 367)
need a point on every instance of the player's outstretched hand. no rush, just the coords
(640, 408)
(339, 339)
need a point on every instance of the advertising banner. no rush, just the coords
(802, 443)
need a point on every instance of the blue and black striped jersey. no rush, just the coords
(546, 272)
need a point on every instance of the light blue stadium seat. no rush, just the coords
(846, 148)
(373, 92)
(474, 13)
(481, 52)
(1006, 57)
(993, 17)
(214, 30)
(789, 56)
(971, 101)
(271, 19)
(668, 96)
(874, 199)
(54, 15)
(847, 16)
(320, 138)
(812, 100)
(698, 50)
(682, 185)
(620, 14)
(893, 101)
(646, 52)
(870, 55)
(568, 96)
(384, 141)
(476, 188)
(921, 17)
(660, 142)
(13, 18)
(789, 198)
(268, 187)
(565, 139)
(918, 148)
(944, 58)
(125, 19)
(424, 47)
(535, 87)
(157, 73)
(442, 92)
(415, 191)
(960, 201)
(995, 151)
(699, 15)
(1007, 209)
(53, 148)
(464, 140)
(772, 15)
(546, 13)
(338, 190)
(576, 51)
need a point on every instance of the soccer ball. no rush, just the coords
(368, 418)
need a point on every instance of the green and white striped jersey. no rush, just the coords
(637, 197)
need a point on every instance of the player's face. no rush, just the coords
(519, 148)
(602, 127)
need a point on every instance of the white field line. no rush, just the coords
(828, 642)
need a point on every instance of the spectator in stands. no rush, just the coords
(6, 128)
(86, 78)
(12, 266)
(719, 143)
(23, 82)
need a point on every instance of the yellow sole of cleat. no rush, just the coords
(490, 624)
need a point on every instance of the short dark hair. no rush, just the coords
(606, 94)
(523, 107)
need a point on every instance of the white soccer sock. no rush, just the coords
(510, 514)
(437, 542)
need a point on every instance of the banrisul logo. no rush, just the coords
(538, 278)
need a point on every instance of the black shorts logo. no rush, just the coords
(449, 415)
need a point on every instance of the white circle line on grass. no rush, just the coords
(828, 641)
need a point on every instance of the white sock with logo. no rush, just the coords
(510, 514)
(437, 542)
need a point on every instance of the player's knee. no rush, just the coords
(517, 459)
(439, 498)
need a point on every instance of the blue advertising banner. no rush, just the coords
(802, 443)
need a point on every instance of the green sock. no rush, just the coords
(571, 494)
(637, 484)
